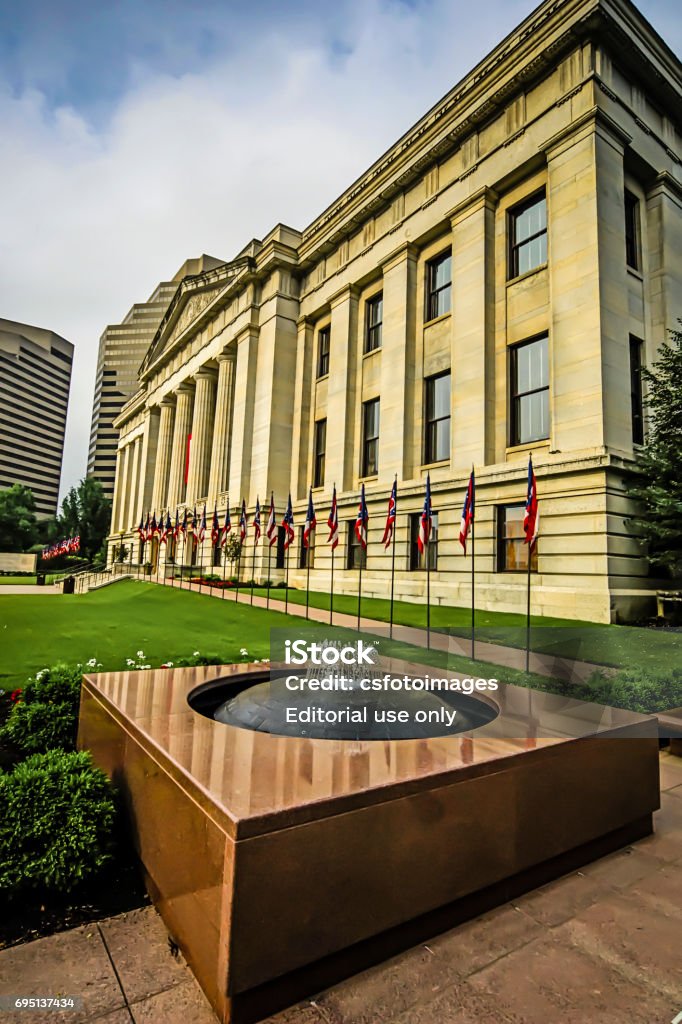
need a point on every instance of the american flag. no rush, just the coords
(147, 528)
(142, 533)
(227, 525)
(310, 520)
(271, 528)
(333, 522)
(243, 525)
(215, 527)
(426, 519)
(531, 518)
(361, 520)
(288, 524)
(202, 527)
(256, 523)
(176, 529)
(153, 528)
(468, 511)
(183, 525)
(390, 517)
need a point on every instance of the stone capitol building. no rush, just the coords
(489, 288)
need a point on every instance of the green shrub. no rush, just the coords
(57, 814)
(46, 716)
(198, 659)
(635, 689)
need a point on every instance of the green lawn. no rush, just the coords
(115, 623)
(11, 581)
(618, 646)
(112, 624)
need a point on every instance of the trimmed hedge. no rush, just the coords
(57, 814)
(46, 716)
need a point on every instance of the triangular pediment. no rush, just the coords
(196, 299)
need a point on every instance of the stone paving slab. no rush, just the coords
(598, 946)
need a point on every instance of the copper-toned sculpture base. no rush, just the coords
(280, 865)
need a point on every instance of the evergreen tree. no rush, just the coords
(18, 525)
(86, 511)
(657, 483)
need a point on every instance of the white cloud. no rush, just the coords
(94, 215)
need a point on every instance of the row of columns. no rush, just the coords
(201, 408)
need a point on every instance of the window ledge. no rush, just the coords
(634, 272)
(368, 479)
(371, 352)
(323, 376)
(437, 319)
(528, 273)
(427, 466)
(528, 446)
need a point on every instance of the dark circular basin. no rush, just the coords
(264, 704)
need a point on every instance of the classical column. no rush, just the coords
(123, 502)
(343, 400)
(202, 434)
(163, 453)
(181, 431)
(401, 373)
(222, 433)
(472, 433)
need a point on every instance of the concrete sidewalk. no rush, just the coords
(31, 588)
(599, 946)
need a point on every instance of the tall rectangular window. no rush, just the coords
(280, 553)
(417, 559)
(512, 551)
(357, 556)
(636, 392)
(438, 285)
(370, 437)
(374, 315)
(528, 235)
(631, 230)
(319, 452)
(323, 345)
(437, 439)
(305, 554)
(529, 391)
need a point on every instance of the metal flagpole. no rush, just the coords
(286, 583)
(267, 596)
(307, 581)
(530, 553)
(362, 550)
(473, 600)
(239, 566)
(331, 594)
(428, 593)
(395, 526)
(253, 566)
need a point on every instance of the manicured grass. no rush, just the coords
(616, 646)
(114, 623)
(10, 581)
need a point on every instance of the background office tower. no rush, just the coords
(122, 347)
(35, 377)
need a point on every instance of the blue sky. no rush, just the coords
(137, 133)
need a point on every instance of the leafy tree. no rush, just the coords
(18, 525)
(657, 483)
(86, 511)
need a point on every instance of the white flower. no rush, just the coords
(140, 654)
(266, 661)
(169, 664)
(195, 654)
(243, 652)
(92, 663)
(129, 662)
(256, 661)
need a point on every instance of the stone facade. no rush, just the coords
(526, 239)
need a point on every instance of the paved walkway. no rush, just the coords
(599, 946)
(20, 588)
(496, 654)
